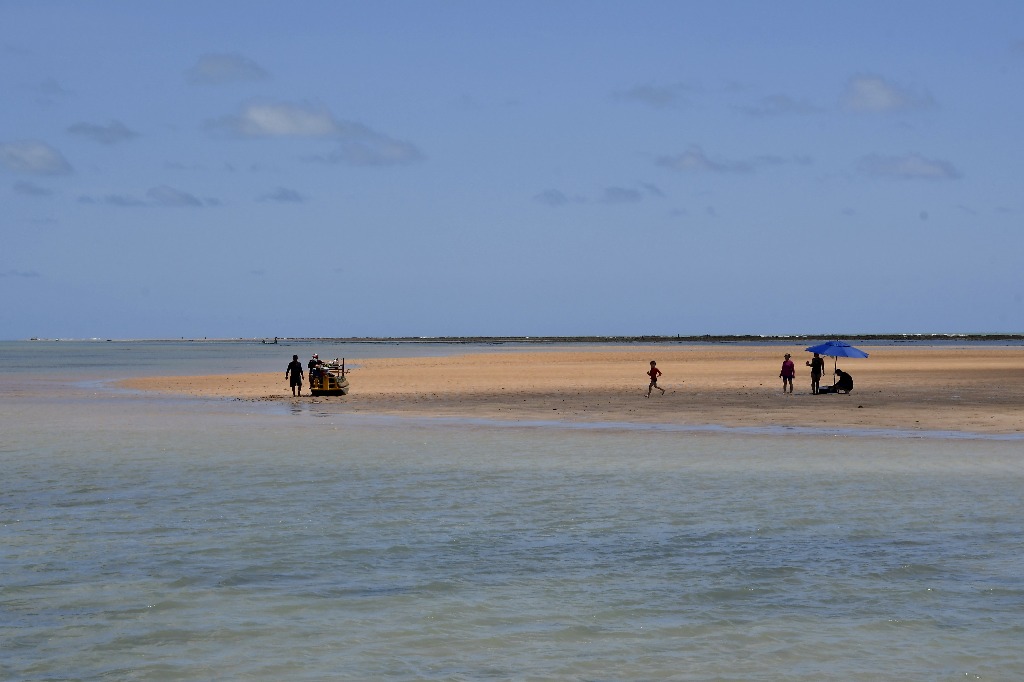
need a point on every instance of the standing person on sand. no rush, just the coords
(314, 371)
(294, 373)
(654, 373)
(787, 373)
(817, 366)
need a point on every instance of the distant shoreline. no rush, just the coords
(555, 340)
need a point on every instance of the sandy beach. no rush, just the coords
(964, 389)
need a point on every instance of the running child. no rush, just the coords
(654, 373)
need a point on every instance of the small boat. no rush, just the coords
(329, 379)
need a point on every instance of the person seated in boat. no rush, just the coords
(844, 384)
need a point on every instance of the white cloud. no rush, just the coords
(33, 157)
(218, 69)
(614, 194)
(112, 133)
(694, 159)
(280, 120)
(910, 167)
(358, 144)
(876, 94)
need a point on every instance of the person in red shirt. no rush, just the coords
(787, 374)
(654, 374)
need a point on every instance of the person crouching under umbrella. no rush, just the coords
(844, 382)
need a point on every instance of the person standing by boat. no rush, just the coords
(787, 373)
(315, 370)
(294, 375)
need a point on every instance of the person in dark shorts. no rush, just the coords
(294, 375)
(654, 373)
(817, 365)
(787, 373)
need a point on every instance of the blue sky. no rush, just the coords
(251, 169)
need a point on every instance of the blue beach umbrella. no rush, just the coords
(837, 349)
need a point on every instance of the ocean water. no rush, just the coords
(154, 538)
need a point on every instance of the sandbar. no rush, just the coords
(956, 389)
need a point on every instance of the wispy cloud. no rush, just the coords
(220, 69)
(48, 92)
(122, 200)
(283, 195)
(780, 105)
(874, 94)
(162, 196)
(109, 134)
(621, 195)
(357, 144)
(777, 160)
(695, 160)
(907, 167)
(656, 96)
(31, 189)
(371, 149)
(552, 197)
(652, 189)
(26, 274)
(613, 194)
(179, 166)
(33, 157)
(169, 196)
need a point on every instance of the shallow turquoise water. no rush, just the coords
(157, 538)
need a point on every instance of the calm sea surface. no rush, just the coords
(153, 538)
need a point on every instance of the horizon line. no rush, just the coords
(570, 338)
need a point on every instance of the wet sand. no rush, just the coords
(964, 389)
